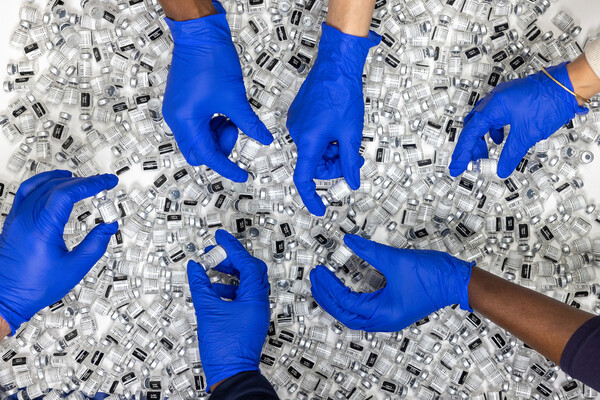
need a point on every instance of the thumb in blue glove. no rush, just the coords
(205, 78)
(535, 107)
(418, 282)
(36, 269)
(326, 118)
(231, 333)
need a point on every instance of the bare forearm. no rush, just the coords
(585, 81)
(351, 16)
(184, 10)
(540, 321)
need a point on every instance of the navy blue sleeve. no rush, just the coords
(581, 354)
(248, 385)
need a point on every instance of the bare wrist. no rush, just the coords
(4, 328)
(583, 78)
(185, 10)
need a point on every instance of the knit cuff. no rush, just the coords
(592, 55)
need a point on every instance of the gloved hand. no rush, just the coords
(326, 118)
(231, 333)
(535, 107)
(36, 269)
(418, 282)
(206, 78)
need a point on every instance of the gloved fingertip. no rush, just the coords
(111, 180)
(351, 240)
(110, 229)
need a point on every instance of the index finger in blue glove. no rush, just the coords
(497, 135)
(304, 175)
(62, 197)
(90, 250)
(253, 272)
(351, 160)
(227, 133)
(476, 128)
(512, 153)
(376, 254)
(246, 119)
(33, 183)
(350, 308)
(200, 285)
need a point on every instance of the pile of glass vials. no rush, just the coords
(87, 92)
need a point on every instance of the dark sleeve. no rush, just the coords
(581, 354)
(248, 385)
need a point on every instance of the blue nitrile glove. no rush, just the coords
(231, 333)
(205, 79)
(36, 269)
(418, 282)
(535, 107)
(326, 118)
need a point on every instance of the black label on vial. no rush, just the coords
(1, 189)
(220, 201)
(421, 233)
(165, 148)
(57, 132)
(500, 56)
(413, 370)
(388, 40)
(466, 184)
(272, 331)
(254, 103)
(526, 271)
(279, 246)
(510, 185)
(475, 344)
(180, 174)
(371, 360)
(240, 225)
(463, 377)
(543, 390)
(27, 50)
(127, 47)
(128, 378)
(19, 111)
(482, 201)
(501, 27)
(119, 107)
(473, 98)
(281, 34)
(321, 239)
(388, 386)
(84, 216)
(474, 320)
(81, 356)
(295, 62)
(150, 165)
(142, 99)
(97, 54)
(267, 360)
(97, 357)
(53, 307)
(285, 229)
(263, 58)
(533, 33)
(494, 79)
(174, 217)
(307, 363)
(8, 355)
(380, 154)
(294, 373)
(392, 61)
(562, 187)
(155, 34)
(498, 340)
(424, 163)
(296, 17)
(86, 99)
(471, 53)
(522, 165)
(287, 336)
(87, 374)
(546, 233)
(538, 369)
(463, 230)
(140, 354)
(19, 361)
(512, 197)
(523, 231)
(422, 321)
(160, 181)
(516, 62)
(510, 223)
(569, 386)
(113, 387)
(166, 343)
(109, 17)
(153, 395)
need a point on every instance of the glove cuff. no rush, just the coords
(201, 30)
(349, 51)
(463, 277)
(560, 73)
(225, 373)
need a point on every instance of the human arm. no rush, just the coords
(535, 107)
(36, 269)
(419, 282)
(326, 119)
(205, 79)
(231, 333)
